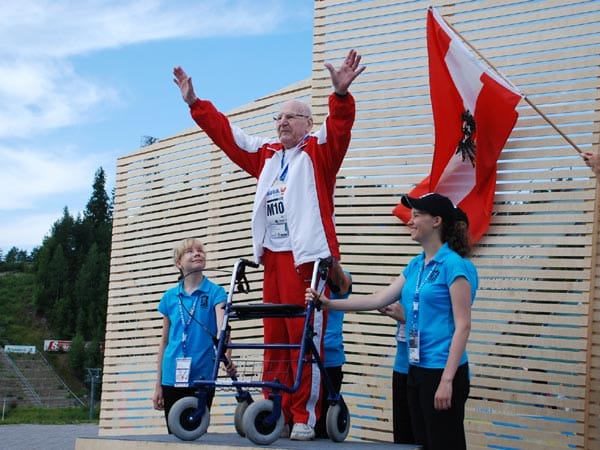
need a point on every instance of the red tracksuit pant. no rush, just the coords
(285, 283)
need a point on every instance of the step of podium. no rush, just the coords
(222, 441)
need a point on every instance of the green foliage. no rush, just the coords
(73, 268)
(47, 416)
(52, 268)
(69, 285)
(93, 354)
(16, 260)
(60, 362)
(77, 356)
(91, 289)
(99, 208)
(18, 321)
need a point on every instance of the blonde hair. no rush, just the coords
(184, 245)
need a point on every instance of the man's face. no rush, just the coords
(293, 123)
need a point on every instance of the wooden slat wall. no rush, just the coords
(534, 346)
(179, 187)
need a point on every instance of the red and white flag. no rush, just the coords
(474, 112)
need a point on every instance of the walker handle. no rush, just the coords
(240, 276)
(247, 262)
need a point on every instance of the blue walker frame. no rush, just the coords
(260, 421)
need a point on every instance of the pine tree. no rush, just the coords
(72, 269)
(54, 265)
(96, 265)
(92, 290)
(77, 356)
(97, 216)
(15, 260)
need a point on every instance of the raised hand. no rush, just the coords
(592, 160)
(342, 78)
(185, 85)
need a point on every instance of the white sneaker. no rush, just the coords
(285, 432)
(302, 432)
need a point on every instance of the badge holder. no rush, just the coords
(413, 346)
(401, 332)
(182, 372)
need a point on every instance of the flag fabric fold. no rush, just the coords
(474, 112)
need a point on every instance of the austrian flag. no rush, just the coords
(474, 112)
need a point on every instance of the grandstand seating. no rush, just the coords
(27, 379)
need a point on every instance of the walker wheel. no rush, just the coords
(256, 426)
(337, 422)
(238, 417)
(181, 419)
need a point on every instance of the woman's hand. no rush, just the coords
(314, 296)
(443, 395)
(395, 311)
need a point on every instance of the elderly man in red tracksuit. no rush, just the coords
(292, 219)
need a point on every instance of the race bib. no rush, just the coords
(276, 218)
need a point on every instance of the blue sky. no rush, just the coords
(82, 81)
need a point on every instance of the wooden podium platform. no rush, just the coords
(221, 441)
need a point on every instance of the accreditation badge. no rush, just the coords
(401, 332)
(182, 371)
(413, 346)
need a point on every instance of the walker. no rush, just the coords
(261, 421)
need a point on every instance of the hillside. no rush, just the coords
(19, 325)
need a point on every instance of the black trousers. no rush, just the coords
(401, 412)
(433, 429)
(336, 375)
(171, 394)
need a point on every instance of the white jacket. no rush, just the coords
(313, 167)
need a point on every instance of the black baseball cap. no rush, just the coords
(434, 204)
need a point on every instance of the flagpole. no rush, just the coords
(552, 124)
(546, 118)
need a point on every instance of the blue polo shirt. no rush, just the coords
(435, 319)
(401, 360)
(199, 343)
(334, 339)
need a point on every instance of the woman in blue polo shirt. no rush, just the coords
(436, 289)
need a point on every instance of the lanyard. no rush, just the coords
(284, 170)
(284, 166)
(415, 323)
(186, 323)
